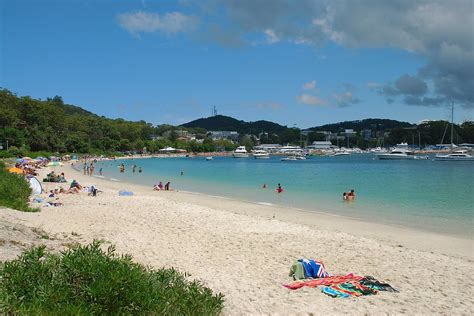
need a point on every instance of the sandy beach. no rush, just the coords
(244, 250)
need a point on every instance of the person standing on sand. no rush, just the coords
(167, 186)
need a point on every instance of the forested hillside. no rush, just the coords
(51, 125)
(226, 123)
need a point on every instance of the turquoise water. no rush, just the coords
(422, 194)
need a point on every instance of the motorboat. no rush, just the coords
(377, 150)
(261, 154)
(240, 152)
(289, 158)
(457, 155)
(294, 158)
(209, 158)
(397, 154)
(341, 153)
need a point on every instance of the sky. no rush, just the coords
(298, 63)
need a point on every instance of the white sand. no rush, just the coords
(244, 250)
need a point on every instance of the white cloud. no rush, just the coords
(271, 37)
(311, 85)
(310, 99)
(149, 22)
(373, 85)
(345, 98)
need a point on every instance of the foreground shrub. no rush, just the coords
(87, 280)
(14, 190)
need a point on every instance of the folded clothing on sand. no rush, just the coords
(308, 269)
(312, 273)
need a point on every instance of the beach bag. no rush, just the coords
(314, 268)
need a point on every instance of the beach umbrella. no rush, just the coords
(15, 170)
(35, 186)
(54, 164)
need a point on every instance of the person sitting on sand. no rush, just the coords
(156, 187)
(62, 178)
(75, 184)
(73, 190)
(160, 185)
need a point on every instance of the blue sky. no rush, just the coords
(293, 62)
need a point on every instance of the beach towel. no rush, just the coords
(375, 284)
(125, 193)
(347, 289)
(331, 280)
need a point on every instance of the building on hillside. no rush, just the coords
(271, 148)
(350, 132)
(366, 134)
(220, 135)
(319, 145)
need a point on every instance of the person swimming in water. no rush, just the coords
(279, 189)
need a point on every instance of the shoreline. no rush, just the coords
(245, 250)
(394, 234)
(408, 235)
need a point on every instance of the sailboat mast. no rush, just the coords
(452, 123)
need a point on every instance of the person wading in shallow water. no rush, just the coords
(279, 189)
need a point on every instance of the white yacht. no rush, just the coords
(240, 152)
(289, 158)
(457, 155)
(378, 150)
(460, 154)
(397, 154)
(209, 158)
(294, 158)
(261, 154)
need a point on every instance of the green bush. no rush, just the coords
(85, 280)
(6, 154)
(14, 191)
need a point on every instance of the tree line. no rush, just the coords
(32, 125)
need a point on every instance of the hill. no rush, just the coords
(358, 125)
(50, 125)
(227, 123)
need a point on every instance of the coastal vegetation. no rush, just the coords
(14, 190)
(86, 280)
(32, 127)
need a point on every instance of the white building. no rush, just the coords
(320, 145)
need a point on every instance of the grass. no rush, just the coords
(14, 191)
(87, 280)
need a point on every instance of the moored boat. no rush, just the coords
(240, 152)
(261, 154)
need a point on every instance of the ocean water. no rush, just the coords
(422, 194)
